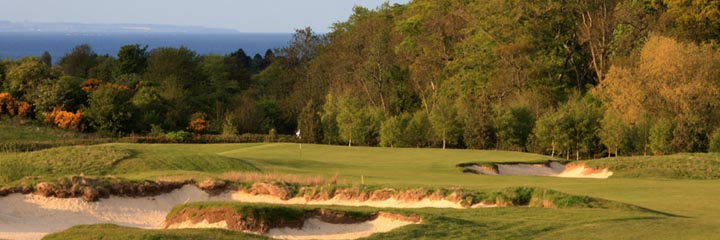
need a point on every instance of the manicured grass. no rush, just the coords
(683, 166)
(679, 193)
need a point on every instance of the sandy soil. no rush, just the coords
(583, 172)
(554, 170)
(314, 228)
(31, 216)
(203, 224)
(389, 203)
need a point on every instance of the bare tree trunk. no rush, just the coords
(553, 149)
(380, 89)
(444, 138)
(577, 154)
(350, 140)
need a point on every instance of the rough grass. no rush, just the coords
(679, 166)
(31, 136)
(251, 177)
(114, 232)
(137, 162)
(57, 162)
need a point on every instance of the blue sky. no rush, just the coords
(242, 15)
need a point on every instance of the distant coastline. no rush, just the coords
(70, 27)
(20, 44)
(20, 39)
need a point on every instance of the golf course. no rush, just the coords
(350, 119)
(665, 197)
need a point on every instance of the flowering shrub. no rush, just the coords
(12, 107)
(65, 119)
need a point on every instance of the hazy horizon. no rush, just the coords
(271, 16)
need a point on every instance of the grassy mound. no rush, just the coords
(56, 162)
(111, 232)
(138, 162)
(705, 166)
(260, 218)
(34, 136)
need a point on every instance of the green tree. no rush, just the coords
(548, 132)
(46, 58)
(132, 59)
(694, 20)
(444, 120)
(661, 135)
(151, 107)
(613, 133)
(309, 123)
(78, 61)
(715, 141)
(104, 69)
(176, 73)
(23, 76)
(109, 110)
(419, 131)
(392, 130)
(357, 124)
(331, 131)
(513, 126)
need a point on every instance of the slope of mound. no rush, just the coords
(705, 166)
(56, 162)
(286, 222)
(133, 160)
(111, 231)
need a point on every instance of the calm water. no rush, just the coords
(17, 45)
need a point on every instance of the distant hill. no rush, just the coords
(63, 27)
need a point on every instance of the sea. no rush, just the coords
(18, 45)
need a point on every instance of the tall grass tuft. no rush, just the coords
(279, 177)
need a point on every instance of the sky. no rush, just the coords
(252, 16)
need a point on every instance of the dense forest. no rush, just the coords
(575, 79)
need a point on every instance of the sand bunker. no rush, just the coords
(388, 203)
(315, 228)
(33, 216)
(553, 169)
(310, 228)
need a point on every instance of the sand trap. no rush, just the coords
(314, 228)
(554, 169)
(32, 217)
(203, 224)
(389, 203)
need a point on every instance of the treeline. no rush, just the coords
(140, 91)
(576, 79)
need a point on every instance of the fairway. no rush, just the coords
(685, 208)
